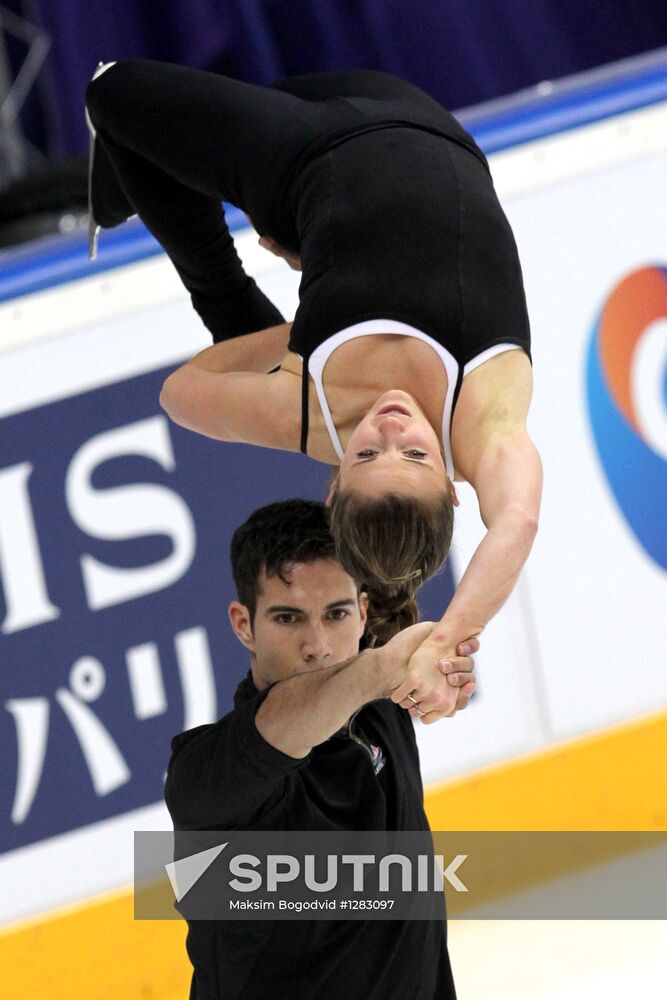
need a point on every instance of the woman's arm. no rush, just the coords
(253, 352)
(187, 388)
(508, 482)
(223, 392)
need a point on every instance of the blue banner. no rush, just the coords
(115, 527)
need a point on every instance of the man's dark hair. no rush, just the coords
(273, 537)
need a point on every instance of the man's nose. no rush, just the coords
(316, 645)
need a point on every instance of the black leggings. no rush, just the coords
(173, 142)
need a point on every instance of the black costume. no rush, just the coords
(386, 198)
(226, 776)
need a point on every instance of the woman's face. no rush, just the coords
(394, 449)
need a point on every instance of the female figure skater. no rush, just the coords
(407, 365)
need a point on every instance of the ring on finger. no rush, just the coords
(416, 704)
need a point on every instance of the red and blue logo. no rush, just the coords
(627, 401)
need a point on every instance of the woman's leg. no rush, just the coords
(375, 84)
(179, 142)
(111, 206)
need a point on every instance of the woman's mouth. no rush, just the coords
(394, 408)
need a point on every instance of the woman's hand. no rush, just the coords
(292, 259)
(437, 682)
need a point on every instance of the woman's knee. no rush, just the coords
(96, 92)
(109, 93)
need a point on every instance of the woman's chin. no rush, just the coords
(395, 395)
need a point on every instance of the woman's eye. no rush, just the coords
(338, 614)
(366, 453)
(415, 453)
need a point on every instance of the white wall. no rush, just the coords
(581, 644)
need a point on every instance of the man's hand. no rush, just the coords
(454, 680)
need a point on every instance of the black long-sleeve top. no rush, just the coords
(226, 776)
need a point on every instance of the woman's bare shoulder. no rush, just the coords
(494, 401)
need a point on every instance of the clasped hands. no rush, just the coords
(424, 677)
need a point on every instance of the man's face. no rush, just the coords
(313, 620)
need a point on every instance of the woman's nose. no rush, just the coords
(391, 428)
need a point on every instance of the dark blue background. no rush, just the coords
(221, 485)
(460, 51)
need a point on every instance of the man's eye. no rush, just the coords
(415, 453)
(338, 614)
(285, 618)
(366, 453)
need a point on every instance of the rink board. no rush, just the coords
(114, 529)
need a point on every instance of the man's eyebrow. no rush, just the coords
(286, 609)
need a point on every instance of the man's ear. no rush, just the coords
(363, 610)
(239, 619)
(332, 488)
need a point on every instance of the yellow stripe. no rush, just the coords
(98, 952)
(612, 780)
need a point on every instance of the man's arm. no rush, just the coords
(224, 774)
(302, 711)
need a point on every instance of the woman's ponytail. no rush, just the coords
(391, 545)
(389, 614)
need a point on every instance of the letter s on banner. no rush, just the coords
(21, 570)
(123, 512)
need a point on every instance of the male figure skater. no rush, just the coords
(313, 743)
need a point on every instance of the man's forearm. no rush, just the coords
(303, 711)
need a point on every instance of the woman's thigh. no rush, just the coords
(323, 86)
(225, 137)
(214, 134)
